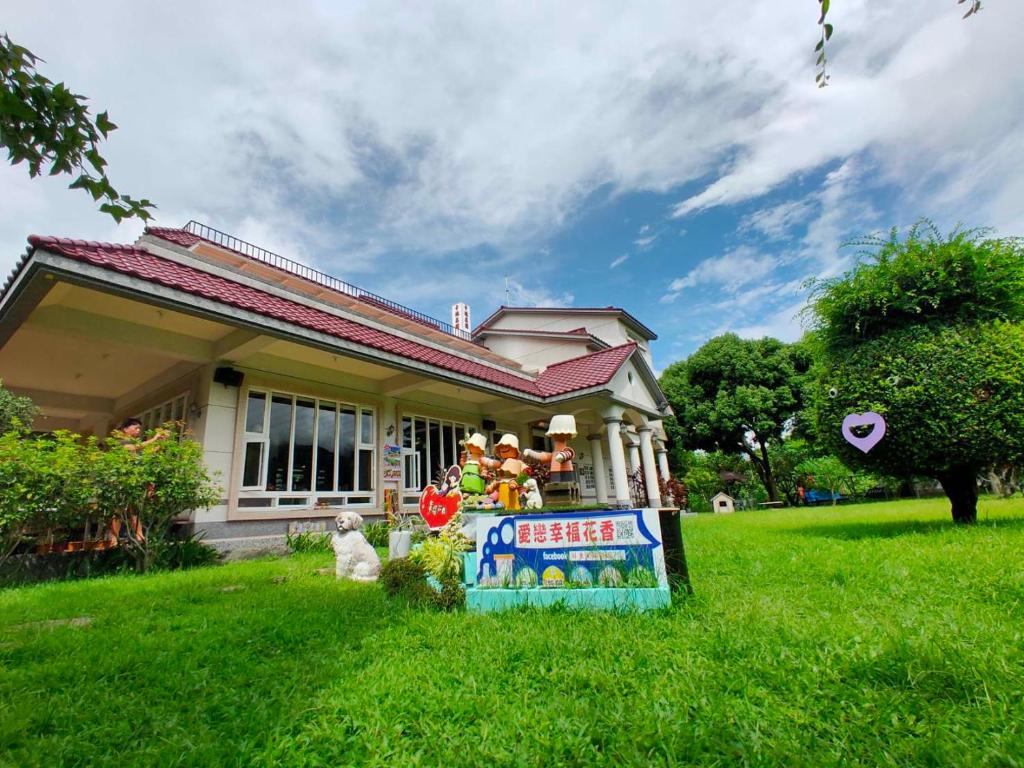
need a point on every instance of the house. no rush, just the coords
(307, 393)
(723, 502)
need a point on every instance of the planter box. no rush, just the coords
(486, 600)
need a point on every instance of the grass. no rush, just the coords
(870, 635)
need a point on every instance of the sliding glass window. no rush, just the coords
(295, 444)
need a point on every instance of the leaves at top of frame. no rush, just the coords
(47, 125)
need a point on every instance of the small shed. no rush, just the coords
(723, 502)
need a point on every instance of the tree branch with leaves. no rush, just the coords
(822, 77)
(48, 127)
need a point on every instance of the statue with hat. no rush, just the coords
(510, 469)
(561, 430)
(475, 466)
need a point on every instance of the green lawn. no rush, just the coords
(871, 635)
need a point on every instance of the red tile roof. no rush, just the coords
(583, 372)
(178, 236)
(568, 376)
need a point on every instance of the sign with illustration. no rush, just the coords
(439, 504)
(597, 548)
(869, 424)
(392, 463)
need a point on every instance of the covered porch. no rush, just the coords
(296, 423)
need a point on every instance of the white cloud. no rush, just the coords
(358, 137)
(777, 221)
(783, 324)
(618, 260)
(729, 272)
(537, 296)
(903, 92)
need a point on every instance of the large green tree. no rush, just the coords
(927, 331)
(47, 126)
(738, 396)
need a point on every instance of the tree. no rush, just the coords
(147, 490)
(737, 395)
(928, 332)
(16, 412)
(44, 124)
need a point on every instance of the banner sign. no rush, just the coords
(392, 463)
(592, 548)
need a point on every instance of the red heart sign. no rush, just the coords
(437, 510)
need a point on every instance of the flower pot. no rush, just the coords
(399, 543)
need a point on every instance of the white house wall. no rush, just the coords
(629, 387)
(536, 353)
(608, 328)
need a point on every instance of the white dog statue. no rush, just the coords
(533, 498)
(354, 557)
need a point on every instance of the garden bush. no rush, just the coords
(405, 577)
(308, 541)
(54, 488)
(182, 553)
(376, 534)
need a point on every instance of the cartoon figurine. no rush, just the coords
(507, 484)
(561, 430)
(472, 482)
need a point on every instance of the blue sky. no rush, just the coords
(669, 158)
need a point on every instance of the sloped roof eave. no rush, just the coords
(539, 390)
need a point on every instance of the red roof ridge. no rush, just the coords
(186, 239)
(44, 240)
(175, 235)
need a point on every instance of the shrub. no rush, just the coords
(451, 597)
(148, 489)
(16, 412)
(185, 552)
(309, 541)
(47, 484)
(376, 534)
(405, 577)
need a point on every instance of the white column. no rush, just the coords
(663, 462)
(618, 459)
(634, 455)
(650, 468)
(600, 476)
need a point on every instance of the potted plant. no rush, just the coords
(399, 535)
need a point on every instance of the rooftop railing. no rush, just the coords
(233, 243)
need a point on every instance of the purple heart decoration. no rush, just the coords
(868, 419)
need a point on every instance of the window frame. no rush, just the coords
(159, 414)
(447, 426)
(289, 499)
